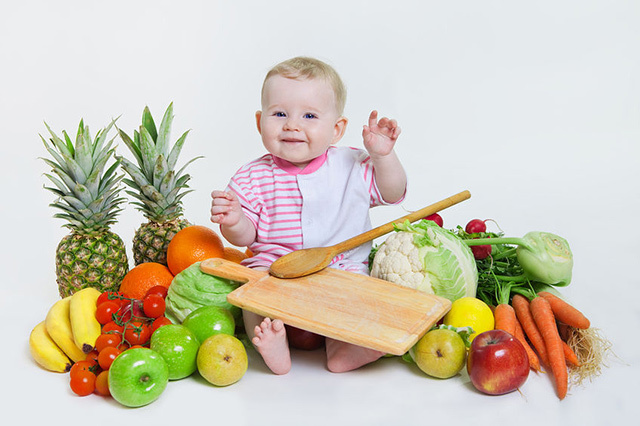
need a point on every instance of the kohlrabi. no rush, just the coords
(544, 257)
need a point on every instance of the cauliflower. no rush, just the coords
(428, 258)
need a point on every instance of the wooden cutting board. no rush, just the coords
(342, 305)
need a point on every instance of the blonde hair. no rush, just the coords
(303, 67)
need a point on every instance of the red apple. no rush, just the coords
(303, 339)
(497, 363)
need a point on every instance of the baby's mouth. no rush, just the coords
(292, 140)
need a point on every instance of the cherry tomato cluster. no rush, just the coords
(126, 323)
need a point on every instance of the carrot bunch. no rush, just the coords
(535, 320)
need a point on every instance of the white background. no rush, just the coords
(532, 106)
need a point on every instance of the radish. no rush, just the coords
(476, 225)
(435, 218)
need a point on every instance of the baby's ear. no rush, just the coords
(258, 117)
(339, 129)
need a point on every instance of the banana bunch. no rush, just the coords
(68, 332)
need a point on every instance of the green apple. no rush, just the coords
(179, 348)
(206, 321)
(222, 359)
(440, 353)
(137, 377)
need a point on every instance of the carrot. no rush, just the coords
(534, 361)
(505, 318)
(564, 312)
(570, 355)
(523, 313)
(546, 323)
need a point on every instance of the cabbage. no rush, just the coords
(428, 258)
(192, 289)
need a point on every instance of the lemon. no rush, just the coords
(470, 312)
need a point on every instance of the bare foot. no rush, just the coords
(343, 357)
(270, 339)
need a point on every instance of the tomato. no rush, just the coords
(111, 296)
(86, 365)
(112, 327)
(102, 384)
(108, 340)
(159, 322)
(137, 333)
(106, 357)
(83, 383)
(92, 356)
(133, 306)
(106, 310)
(153, 305)
(158, 289)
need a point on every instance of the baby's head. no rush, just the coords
(303, 68)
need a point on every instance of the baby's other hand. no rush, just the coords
(380, 136)
(225, 208)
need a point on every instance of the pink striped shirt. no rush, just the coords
(272, 193)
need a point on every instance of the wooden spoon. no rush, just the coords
(307, 261)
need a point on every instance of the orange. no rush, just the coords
(140, 279)
(193, 244)
(234, 255)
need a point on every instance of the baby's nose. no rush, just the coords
(292, 123)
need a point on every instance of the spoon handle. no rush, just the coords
(411, 217)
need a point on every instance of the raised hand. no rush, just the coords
(380, 136)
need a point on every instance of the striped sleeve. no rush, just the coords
(366, 166)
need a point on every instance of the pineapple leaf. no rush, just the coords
(83, 151)
(56, 191)
(82, 193)
(148, 123)
(162, 140)
(159, 171)
(188, 162)
(168, 182)
(175, 151)
(98, 146)
(74, 202)
(57, 142)
(133, 147)
(149, 153)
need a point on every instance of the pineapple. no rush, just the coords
(88, 195)
(156, 186)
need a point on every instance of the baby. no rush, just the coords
(306, 192)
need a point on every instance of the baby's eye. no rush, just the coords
(310, 115)
(279, 114)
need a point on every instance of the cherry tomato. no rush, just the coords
(102, 384)
(112, 327)
(158, 289)
(436, 218)
(111, 296)
(132, 308)
(105, 311)
(92, 356)
(154, 305)
(159, 322)
(108, 339)
(137, 333)
(106, 357)
(83, 383)
(475, 225)
(86, 365)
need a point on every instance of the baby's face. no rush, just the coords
(299, 119)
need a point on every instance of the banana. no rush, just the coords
(45, 351)
(58, 325)
(82, 314)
